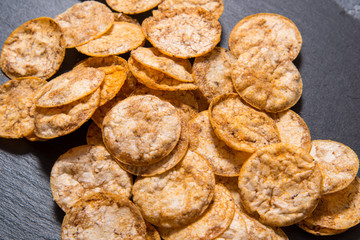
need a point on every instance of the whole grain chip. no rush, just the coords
(180, 69)
(215, 7)
(69, 87)
(103, 216)
(240, 126)
(59, 121)
(265, 30)
(266, 81)
(141, 130)
(280, 184)
(16, 106)
(84, 22)
(338, 163)
(211, 224)
(211, 73)
(86, 170)
(223, 160)
(336, 212)
(132, 6)
(94, 135)
(177, 197)
(183, 33)
(36, 48)
(237, 229)
(293, 129)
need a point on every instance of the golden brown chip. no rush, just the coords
(132, 6)
(237, 229)
(121, 17)
(318, 230)
(211, 224)
(211, 73)
(36, 48)
(69, 87)
(58, 121)
(240, 126)
(280, 184)
(85, 170)
(223, 160)
(339, 164)
(177, 197)
(215, 7)
(141, 130)
(183, 33)
(103, 216)
(94, 135)
(265, 30)
(293, 129)
(16, 106)
(231, 183)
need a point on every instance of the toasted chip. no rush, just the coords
(180, 69)
(121, 17)
(177, 197)
(133, 6)
(336, 212)
(240, 126)
(223, 160)
(155, 79)
(94, 135)
(16, 106)
(185, 33)
(84, 22)
(211, 224)
(36, 48)
(103, 216)
(86, 170)
(237, 229)
(59, 121)
(167, 162)
(265, 81)
(141, 130)
(338, 163)
(265, 30)
(318, 230)
(151, 232)
(215, 7)
(231, 183)
(211, 73)
(69, 87)
(280, 184)
(293, 129)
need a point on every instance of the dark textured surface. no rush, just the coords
(329, 63)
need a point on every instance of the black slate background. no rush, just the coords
(329, 63)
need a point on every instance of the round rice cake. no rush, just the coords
(59, 121)
(318, 230)
(141, 130)
(179, 69)
(84, 22)
(36, 48)
(224, 160)
(265, 30)
(280, 185)
(176, 197)
(167, 162)
(215, 7)
(338, 163)
(132, 6)
(86, 170)
(237, 229)
(183, 33)
(69, 87)
(211, 73)
(240, 126)
(103, 216)
(293, 129)
(336, 212)
(16, 106)
(211, 224)
(94, 135)
(265, 81)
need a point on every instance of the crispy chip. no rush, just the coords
(16, 106)
(177, 197)
(132, 6)
(231, 183)
(94, 135)
(338, 163)
(84, 22)
(121, 17)
(185, 33)
(265, 30)
(36, 48)
(280, 184)
(237, 229)
(240, 126)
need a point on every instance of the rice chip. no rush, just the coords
(237, 229)
(132, 6)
